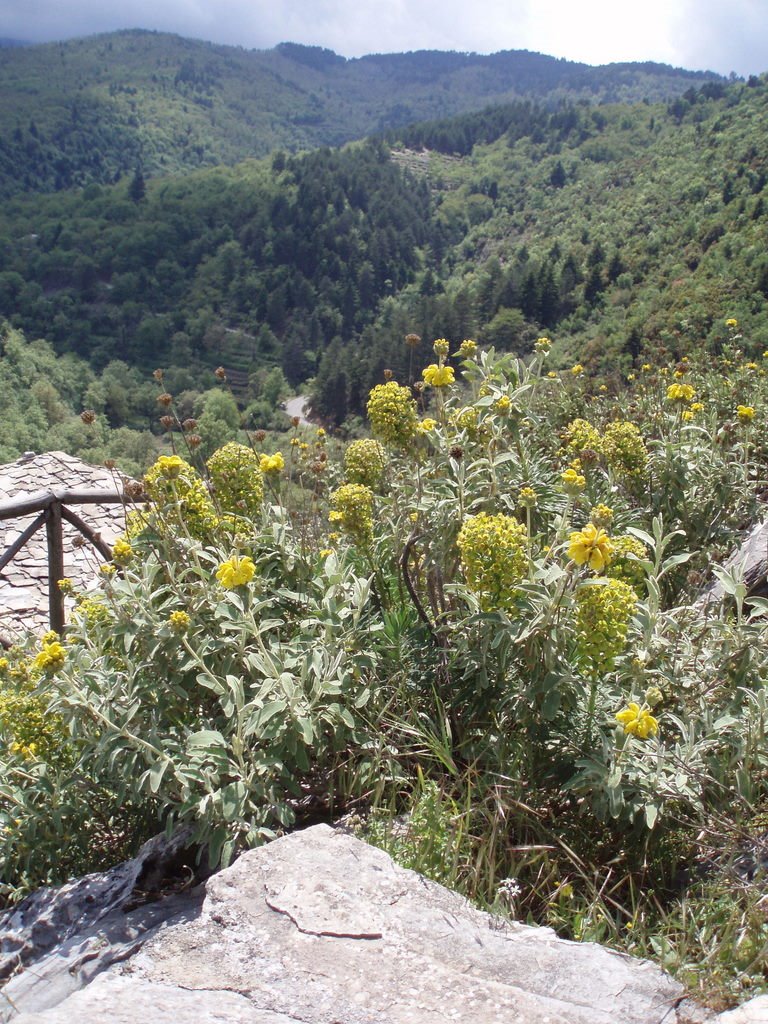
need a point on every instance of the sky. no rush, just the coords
(696, 34)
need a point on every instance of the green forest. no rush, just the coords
(622, 230)
(95, 109)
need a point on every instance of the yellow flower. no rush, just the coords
(603, 612)
(697, 407)
(552, 374)
(502, 405)
(573, 481)
(638, 721)
(528, 497)
(680, 393)
(494, 557)
(441, 347)
(438, 376)
(365, 461)
(353, 510)
(577, 369)
(624, 448)
(392, 412)
(732, 322)
(170, 466)
(467, 349)
(51, 658)
(179, 622)
(590, 546)
(272, 463)
(321, 431)
(326, 552)
(236, 572)
(542, 345)
(602, 516)
(121, 552)
(426, 425)
(646, 367)
(745, 413)
(237, 481)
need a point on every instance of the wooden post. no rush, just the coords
(55, 567)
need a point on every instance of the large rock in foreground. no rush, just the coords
(321, 928)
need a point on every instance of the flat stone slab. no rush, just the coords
(321, 928)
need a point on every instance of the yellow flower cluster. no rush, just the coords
(352, 509)
(626, 549)
(90, 611)
(272, 463)
(602, 516)
(51, 656)
(638, 721)
(392, 412)
(542, 345)
(503, 405)
(235, 572)
(180, 496)
(467, 349)
(170, 466)
(24, 717)
(577, 369)
(121, 552)
(426, 425)
(364, 462)
(179, 621)
(590, 546)
(621, 445)
(438, 376)
(624, 448)
(467, 419)
(604, 609)
(746, 413)
(581, 436)
(528, 497)
(573, 481)
(237, 480)
(494, 557)
(680, 393)
(440, 347)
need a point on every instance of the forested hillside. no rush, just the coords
(96, 109)
(623, 231)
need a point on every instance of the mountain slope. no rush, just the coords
(91, 110)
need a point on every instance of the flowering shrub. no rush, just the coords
(520, 598)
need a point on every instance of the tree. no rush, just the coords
(137, 190)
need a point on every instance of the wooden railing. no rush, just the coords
(52, 507)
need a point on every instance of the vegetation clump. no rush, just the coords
(504, 639)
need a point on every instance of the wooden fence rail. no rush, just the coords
(53, 509)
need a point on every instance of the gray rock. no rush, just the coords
(753, 1012)
(752, 556)
(57, 940)
(321, 928)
